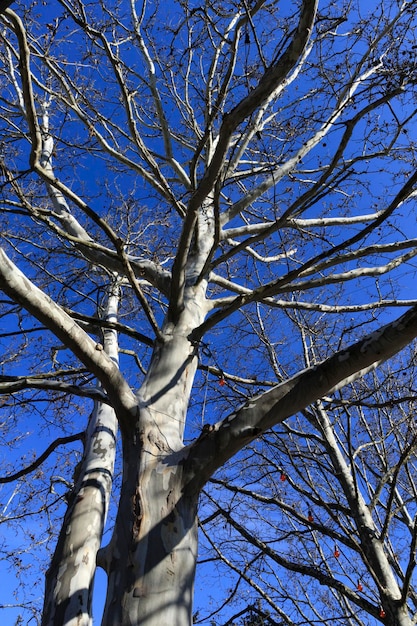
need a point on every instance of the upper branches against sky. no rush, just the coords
(272, 141)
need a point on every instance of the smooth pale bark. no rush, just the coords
(69, 580)
(151, 558)
(70, 577)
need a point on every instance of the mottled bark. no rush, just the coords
(152, 556)
(70, 577)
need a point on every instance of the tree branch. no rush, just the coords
(61, 441)
(274, 287)
(13, 384)
(307, 570)
(267, 84)
(220, 442)
(40, 161)
(20, 289)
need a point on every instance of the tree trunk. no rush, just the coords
(151, 558)
(152, 555)
(69, 579)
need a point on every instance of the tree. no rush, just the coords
(185, 180)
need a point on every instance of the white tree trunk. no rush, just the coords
(152, 556)
(70, 578)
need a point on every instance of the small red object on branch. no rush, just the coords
(336, 552)
(310, 516)
(222, 382)
(359, 587)
(382, 613)
(283, 477)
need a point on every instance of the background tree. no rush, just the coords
(302, 527)
(189, 182)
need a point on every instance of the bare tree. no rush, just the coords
(182, 180)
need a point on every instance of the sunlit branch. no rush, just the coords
(297, 393)
(297, 304)
(315, 193)
(165, 131)
(264, 259)
(233, 378)
(17, 286)
(377, 270)
(28, 96)
(297, 223)
(279, 285)
(280, 171)
(213, 108)
(267, 84)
